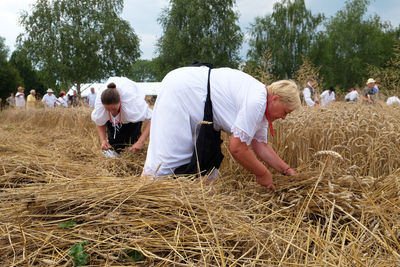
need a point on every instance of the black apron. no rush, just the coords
(208, 155)
(126, 135)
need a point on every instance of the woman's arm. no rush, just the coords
(269, 156)
(140, 142)
(101, 130)
(246, 157)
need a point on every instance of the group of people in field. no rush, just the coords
(369, 94)
(49, 100)
(194, 105)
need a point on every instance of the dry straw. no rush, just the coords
(334, 213)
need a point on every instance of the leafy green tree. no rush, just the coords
(199, 30)
(143, 71)
(78, 41)
(287, 33)
(351, 43)
(9, 76)
(31, 77)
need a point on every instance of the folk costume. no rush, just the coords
(238, 104)
(124, 129)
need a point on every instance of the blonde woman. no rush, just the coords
(234, 102)
(31, 99)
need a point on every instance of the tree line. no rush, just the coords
(70, 42)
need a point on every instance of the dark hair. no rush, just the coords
(110, 96)
(331, 89)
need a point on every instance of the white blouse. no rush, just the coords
(49, 100)
(133, 105)
(238, 100)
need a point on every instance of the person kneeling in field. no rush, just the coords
(120, 110)
(234, 102)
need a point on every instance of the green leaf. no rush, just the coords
(67, 224)
(80, 257)
(134, 255)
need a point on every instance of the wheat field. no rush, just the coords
(62, 203)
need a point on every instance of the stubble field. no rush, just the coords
(63, 203)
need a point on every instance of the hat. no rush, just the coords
(370, 80)
(50, 90)
(63, 92)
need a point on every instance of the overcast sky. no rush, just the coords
(143, 14)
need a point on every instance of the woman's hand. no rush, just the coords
(291, 172)
(136, 147)
(105, 145)
(266, 181)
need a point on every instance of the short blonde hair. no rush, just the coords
(287, 91)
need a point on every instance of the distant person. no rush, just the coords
(352, 96)
(20, 97)
(393, 100)
(49, 100)
(62, 100)
(75, 99)
(327, 96)
(11, 100)
(31, 99)
(119, 112)
(310, 93)
(92, 98)
(368, 94)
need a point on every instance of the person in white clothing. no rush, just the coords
(327, 96)
(310, 93)
(92, 97)
(20, 97)
(61, 100)
(352, 96)
(49, 99)
(120, 110)
(241, 106)
(393, 100)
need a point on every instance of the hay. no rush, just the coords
(335, 213)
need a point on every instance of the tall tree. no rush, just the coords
(78, 41)
(9, 76)
(143, 71)
(30, 76)
(287, 33)
(199, 30)
(350, 43)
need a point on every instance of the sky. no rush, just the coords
(143, 14)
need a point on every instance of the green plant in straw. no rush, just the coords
(133, 254)
(80, 257)
(68, 224)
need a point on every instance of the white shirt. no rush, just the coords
(92, 99)
(352, 96)
(238, 100)
(393, 100)
(49, 100)
(133, 106)
(19, 99)
(307, 96)
(62, 102)
(326, 98)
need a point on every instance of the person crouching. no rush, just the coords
(120, 110)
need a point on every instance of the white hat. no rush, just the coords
(50, 90)
(370, 80)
